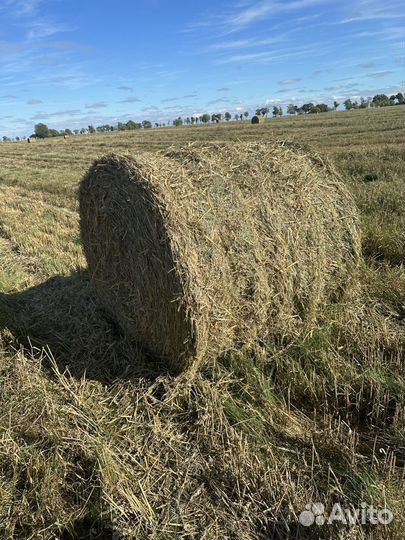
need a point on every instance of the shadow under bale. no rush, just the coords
(63, 316)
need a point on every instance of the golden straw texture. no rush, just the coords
(212, 246)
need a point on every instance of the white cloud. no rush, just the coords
(20, 7)
(269, 56)
(216, 101)
(260, 11)
(41, 29)
(96, 105)
(378, 74)
(246, 43)
(368, 10)
(369, 17)
(45, 115)
(130, 99)
(241, 15)
(289, 81)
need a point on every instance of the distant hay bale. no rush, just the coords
(256, 119)
(209, 247)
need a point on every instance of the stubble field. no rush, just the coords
(95, 441)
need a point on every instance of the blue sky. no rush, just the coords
(71, 63)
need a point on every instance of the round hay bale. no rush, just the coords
(256, 119)
(208, 247)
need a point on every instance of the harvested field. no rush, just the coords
(98, 442)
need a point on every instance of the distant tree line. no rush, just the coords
(310, 108)
(42, 131)
(264, 111)
(206, 118)
(379, 100)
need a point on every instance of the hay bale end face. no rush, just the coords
(258, 119)
(208, 247)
